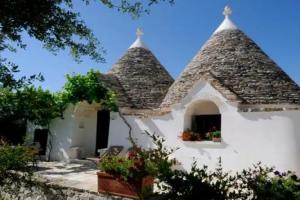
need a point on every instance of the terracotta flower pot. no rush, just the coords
(216, 139)
(110, 185)
(186, 136)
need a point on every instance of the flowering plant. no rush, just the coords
(139, 162)
(131, 167)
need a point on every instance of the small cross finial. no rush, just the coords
(227, 11)
(139, 32)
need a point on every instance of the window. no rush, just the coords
(202, 122)
(206, 125)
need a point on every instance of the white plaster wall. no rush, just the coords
(270, 137)
(84, 132)
(61, 139)
(76, 129)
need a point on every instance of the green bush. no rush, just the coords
(140, 162)
(264, 183)
(256, 183)
(199, 183)
(15, 158)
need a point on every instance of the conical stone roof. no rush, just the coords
(238, 68)
(144, 80)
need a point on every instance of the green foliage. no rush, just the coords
(128, 168)
(216, 134)
(134, 8)
(159, 156)
(117, 166)
(257, 183)
(57, 25)
(8, 79)
(264, 183)
(54, 23)
(196, 184)
(28, 104)
(88, 88)
(40, 106)
(140, 162)
(14, 158)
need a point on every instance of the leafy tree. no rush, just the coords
(135, 8)
(58, 27)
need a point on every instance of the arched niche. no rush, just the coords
(202, 116)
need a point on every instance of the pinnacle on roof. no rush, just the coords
(138, 42)
(227, 23)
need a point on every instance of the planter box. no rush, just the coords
(110, 185)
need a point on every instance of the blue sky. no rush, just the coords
(174, 34)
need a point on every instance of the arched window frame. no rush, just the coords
(202, 121)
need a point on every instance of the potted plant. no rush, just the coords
(133, 176)
(187, 135)
(125, 176)
(216, 136)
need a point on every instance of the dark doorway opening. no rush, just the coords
(103, 119)
(13, 131)
(41, 136)
(203, 124)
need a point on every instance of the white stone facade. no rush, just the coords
(247, 137)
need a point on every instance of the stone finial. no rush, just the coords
(227, 11)
(227, 23)
(138, 42)
(139, 32)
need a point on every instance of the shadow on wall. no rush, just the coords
(202, 146)
(148, 125)
(152, 125)
(59, 146)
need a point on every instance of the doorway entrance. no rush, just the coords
(41, 136)
(103, 119)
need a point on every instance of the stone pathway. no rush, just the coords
(80, 175)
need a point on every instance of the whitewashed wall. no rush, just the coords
(76, 129)
(247, 138)
(61, 134)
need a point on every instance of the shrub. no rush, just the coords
(140, 162)
(256, 183)
(199, 183)
(15, 158)
(264, 183)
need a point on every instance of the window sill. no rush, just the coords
(204, 144)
